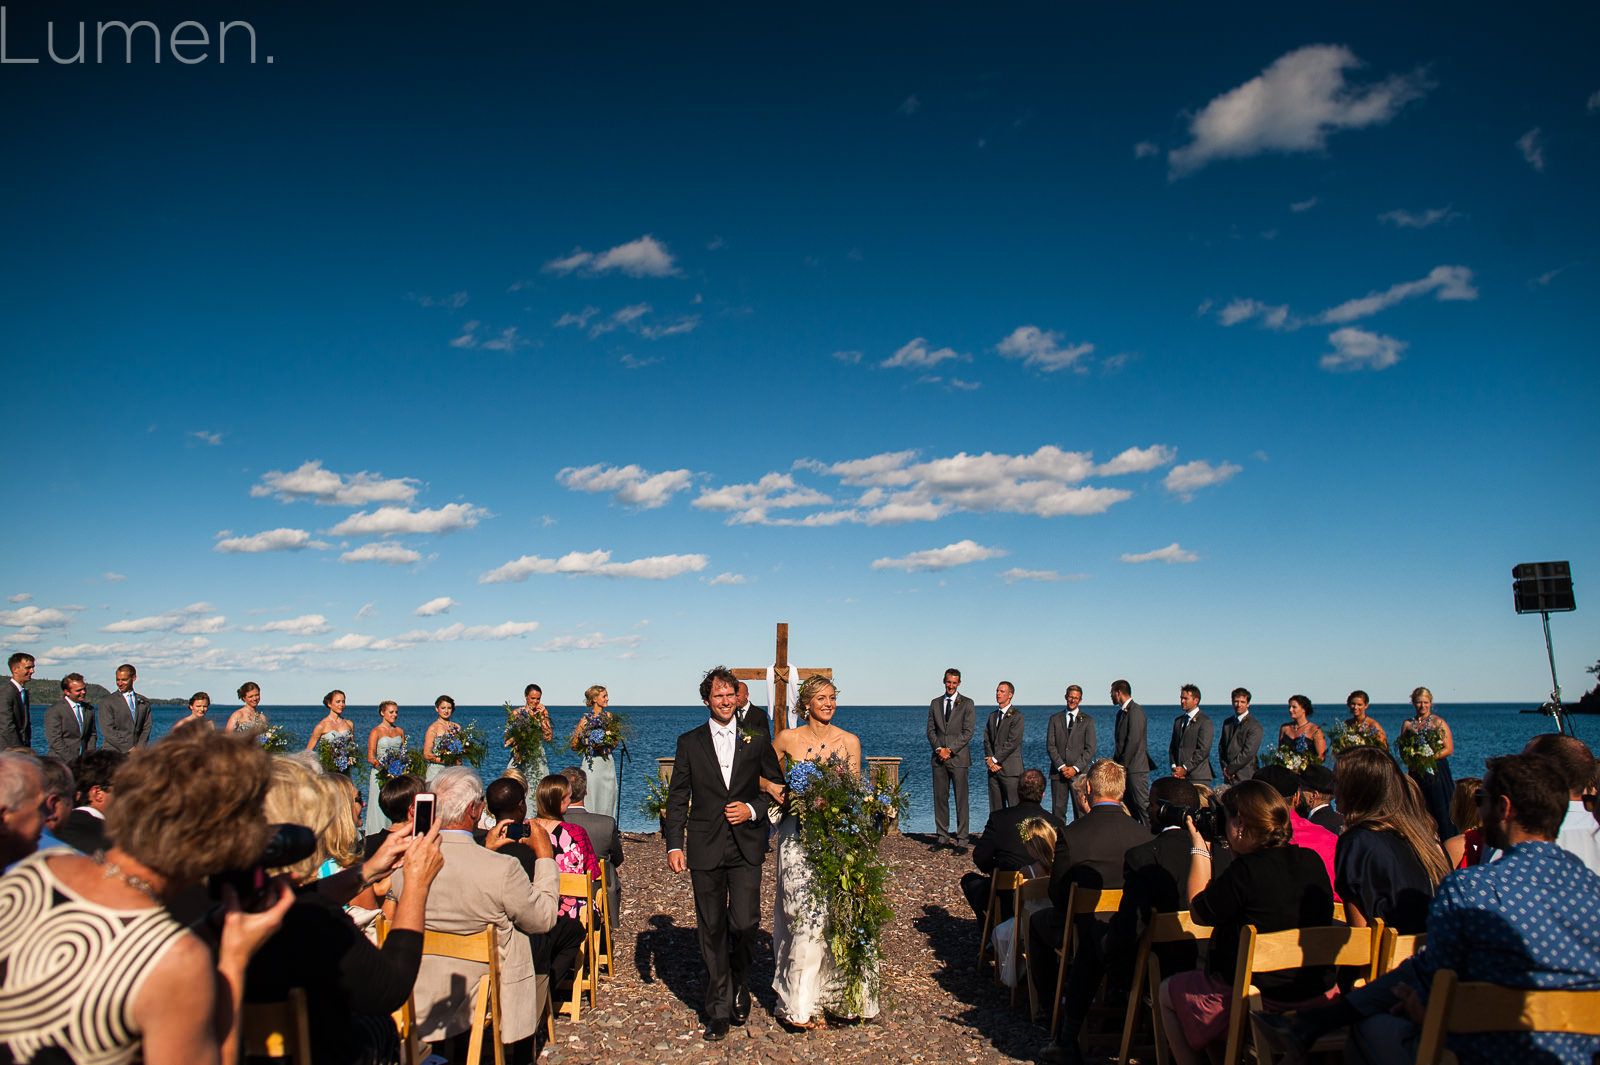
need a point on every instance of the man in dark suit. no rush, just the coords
(1241, 739)
(1090, 853)
(715, 790)
(84, 829)
(750, 717)
(124, 716)
(69, 721)
(1190, 748)
(603, 834)
(1070, 741)
(1001, 846)
(1316, 790)
(1002, 748)
(16, 727)
(952, 719)
(1131, 751)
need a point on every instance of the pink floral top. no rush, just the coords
(574, 854)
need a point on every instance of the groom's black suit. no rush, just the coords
(724, 859)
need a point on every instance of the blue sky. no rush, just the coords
(458, 348)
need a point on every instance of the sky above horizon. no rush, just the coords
(458, 348)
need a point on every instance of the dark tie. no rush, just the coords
(947, 709)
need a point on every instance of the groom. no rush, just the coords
(715, 787)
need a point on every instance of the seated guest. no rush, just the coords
(573, 852)
(555, 951)
(59, 789)
(24, 804)
(1316, 791)
(1001, 847)
(138, 982)
(1388, 861)
(1529, 919)
(352, 987)
(1302, 833)
(1089, 852)
(478, 887)
(1579, 832)
(1038, 835)
(394, 799)
(604, 835)
(84, 829)
(1467, 848)
(1271, 885)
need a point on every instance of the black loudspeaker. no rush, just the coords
(1542, 587)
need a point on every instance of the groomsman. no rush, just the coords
(1241, 739)
(1190, 749)
(125, 715)
(16, 727)
(1132, 752)
(952, 718)
(69, 721)
(750, 717)
(1070, 741)
(1002, 748)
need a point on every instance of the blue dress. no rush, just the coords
(376, 821)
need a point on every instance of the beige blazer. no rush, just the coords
(477, 887)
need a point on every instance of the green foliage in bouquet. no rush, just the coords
(524, 734)
(1419, 749)
(654, 803)
(275, 739)
(460, 743)
(1345, 736)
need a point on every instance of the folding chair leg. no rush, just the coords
(480, 1007)
(1135, 1005)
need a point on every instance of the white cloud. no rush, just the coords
(596, 564)
(1549, 275)
(1304, 205)
(631, 484)
(271, 540)
(645, 257)
(313, 482)
(633, 362)
(1169, 554)
(1185, 480)
(1244, 310)
(387, 552)
(506, 630)
(1292, 106)
(386, 521)
(1138, 460)
(630, 313)
(20, 597)
(35, 618)
(1012, 576)
(1041, 348)
(466, 339)
(916, 354)
(938, 558)
(208, 439)
(579, 320)
(440, 605)
(304, 625)
(367, 610)
(194, 619)
(750, 503)
(1357, 349)
(849, 357)
(506, 340)
(687, 324)
(1445, 282)
(588, 641)
(909, 106)
(1404, 219)
(1531, 144)
(113, 578)
(728, 578)
(455, 301)
(1145, 149)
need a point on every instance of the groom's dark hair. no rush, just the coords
(716, 673)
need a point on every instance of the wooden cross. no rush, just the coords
(780, 669)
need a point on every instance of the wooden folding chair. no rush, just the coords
(1002, 882)
(1339, 916)
(277, 1029)
(482, 948)
(1465, 1008)
(1143, 994)
(602, 923)
(1080, 900)
(1296, 948)
(405, 1018)
(578, 885)
(1029, 892)
(1396, 948)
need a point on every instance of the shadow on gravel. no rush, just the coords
(954, 939)
(670, 954)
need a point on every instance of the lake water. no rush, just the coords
(1481, 731)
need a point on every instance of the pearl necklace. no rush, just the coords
(114, 872)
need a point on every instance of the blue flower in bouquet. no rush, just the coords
(802, 775)
(597, 736)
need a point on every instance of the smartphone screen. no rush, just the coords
(424, 814)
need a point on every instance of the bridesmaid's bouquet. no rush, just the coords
(1419, 749)
(337, 751)
(394, 763)
(525, 733)
(1344, 736)
(1293, 755)
(599, 732)
(463, 743)
(654, 803)
(275, 739)
(842, 817)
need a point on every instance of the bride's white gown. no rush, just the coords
(806, 978)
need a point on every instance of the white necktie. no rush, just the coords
(724, 743)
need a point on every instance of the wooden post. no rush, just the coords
(779, 715)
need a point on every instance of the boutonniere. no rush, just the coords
(746, 735)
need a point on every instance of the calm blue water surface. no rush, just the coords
(1481, 731)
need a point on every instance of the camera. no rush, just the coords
(518, 831)
(1207, 819)
(287, 845)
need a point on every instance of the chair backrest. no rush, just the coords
(277, 1029)
(483, 948)
(1482, 1007)
(1294, 948)
(475, 946)
(1175, 928)
(1093, 900)
(1339, 916)
(1396, 948)
(578, 886)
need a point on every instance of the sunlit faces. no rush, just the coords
(252, 698)
(1240, 704)
(602, 699)
(336, 704)
(952, 681)
(389, 712)
(1422, 704)
(125, 680)
(1297, 713)
(199, 706)
(1003, 694)
(444, 708)
(1188, 700)
(75, 690)
(22, 672)
(1357, 707)
(822, 705)
(1074, 697)
(724, 697)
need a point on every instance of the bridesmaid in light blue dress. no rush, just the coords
(604, 794)
(444, 706)
(382, 741)
(539, 768)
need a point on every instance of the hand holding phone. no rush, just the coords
(422, 813)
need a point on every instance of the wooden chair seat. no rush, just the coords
(1467, 1008)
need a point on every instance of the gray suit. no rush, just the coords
(1237, 750)
(956, 734)
(1002, 741)
(122, 729)
(607, 843)
(1071, 747)
(478, 887)
(16, 727)
(62, 736)
(1132, 753)
(1190, 748)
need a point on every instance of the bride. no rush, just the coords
(807, 978)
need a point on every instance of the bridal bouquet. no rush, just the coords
(1344, 736)
(599, 732)
(1419, 749)
(337, 751)
(461, 743)
(275, 739)
(842, 817)
(526, 733)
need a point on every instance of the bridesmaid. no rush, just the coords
(1438, 786)
(535, 709)
(601, 768)
(444, 706)
(1358, 720)
(1301, 732)
(199, 703)
(383, 741)
(334, 722)
(247, 718)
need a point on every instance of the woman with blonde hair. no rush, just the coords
(1467, 848)
(249, 717)
(1388, 860)
(1436, 783)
